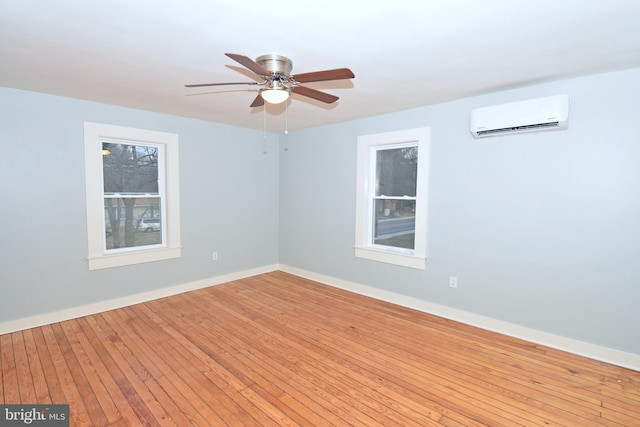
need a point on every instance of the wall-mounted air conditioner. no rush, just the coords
(533, 115)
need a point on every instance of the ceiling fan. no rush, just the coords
(276, 82)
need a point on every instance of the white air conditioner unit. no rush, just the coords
(533, 115)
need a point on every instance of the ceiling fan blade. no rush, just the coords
(317, 76)
(249, 63)
(221, 84)
(258, 102)
(315, 94)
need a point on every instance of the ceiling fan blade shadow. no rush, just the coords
(221, 84)
(258, 102)
(317, 76)
(249, 63)
(315, 94)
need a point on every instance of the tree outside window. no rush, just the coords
(131, 194)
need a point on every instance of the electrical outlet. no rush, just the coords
(453, 282)
(214, 256)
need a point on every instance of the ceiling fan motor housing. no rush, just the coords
(276, 64)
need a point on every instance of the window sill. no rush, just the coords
(129, 258)
(397, 258)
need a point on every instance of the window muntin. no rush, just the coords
(391, 208)
(133, 205)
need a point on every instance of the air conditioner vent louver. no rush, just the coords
(516, 129)
(534, 115)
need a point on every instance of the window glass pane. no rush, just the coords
(129, 169)
(396, 171)
(132, 221)
(394, 223)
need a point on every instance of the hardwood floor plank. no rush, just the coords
(51, 381)
(280, 350)
(41, 388)
(23, 370)
(10, 385)
(621, 417)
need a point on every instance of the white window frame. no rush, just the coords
(98, 257)
(368, 145)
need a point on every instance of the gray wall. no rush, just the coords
(229, 204)
(542, 230)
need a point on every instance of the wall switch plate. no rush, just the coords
(453, 282)
(214, 256)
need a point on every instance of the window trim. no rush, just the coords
(364, 246)
(98, 258)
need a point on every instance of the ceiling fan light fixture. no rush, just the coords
(274, 96)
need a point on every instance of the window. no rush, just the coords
(391, 206)
(133, 207)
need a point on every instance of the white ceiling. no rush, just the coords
(404, 53)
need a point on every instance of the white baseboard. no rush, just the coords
(592, 351)
(86, 310)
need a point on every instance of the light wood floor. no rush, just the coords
(279, 350)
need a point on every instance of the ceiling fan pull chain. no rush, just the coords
(286, 118)
(264, 129)
(286, 127)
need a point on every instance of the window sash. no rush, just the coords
(392, 227)
(373, 171)
(160, 195)
(140, 241)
